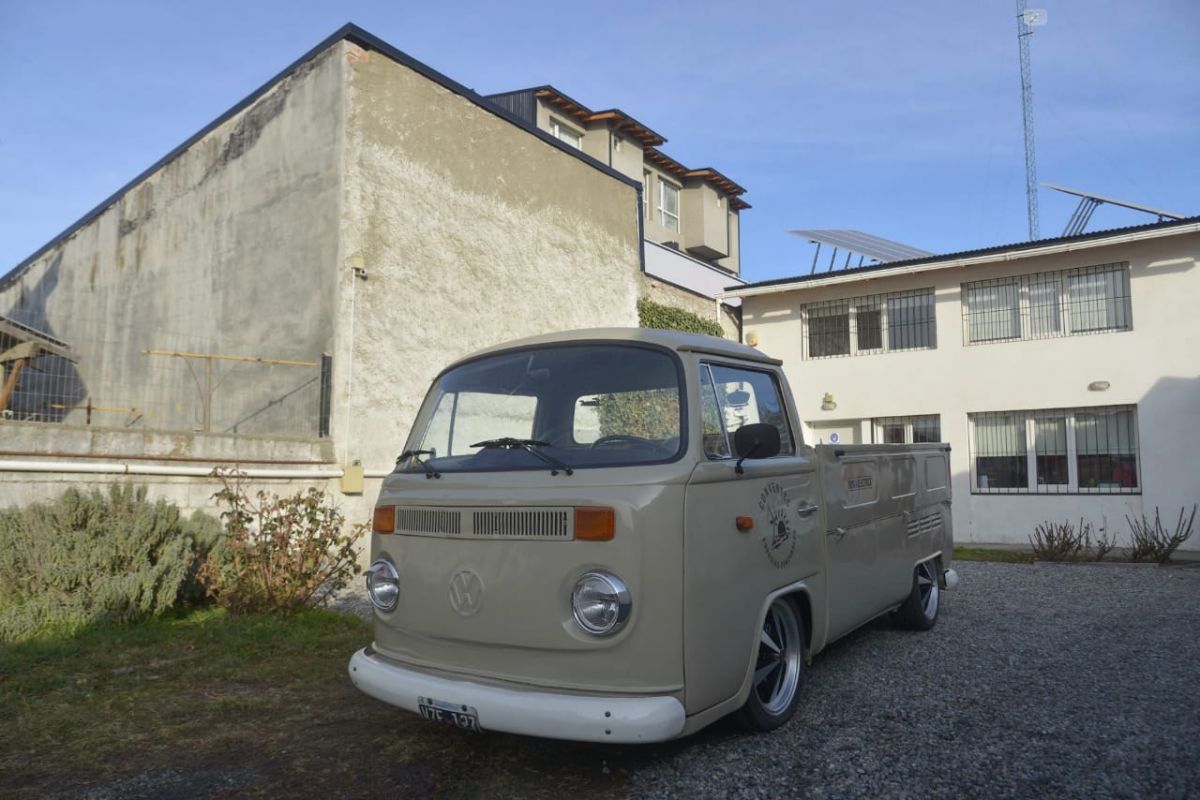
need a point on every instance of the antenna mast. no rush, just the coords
(1027, 20)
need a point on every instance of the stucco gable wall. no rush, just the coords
(472, 231)
(226, 249)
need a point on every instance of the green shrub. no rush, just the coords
(278, 553)
(655, 315)
(91, 557)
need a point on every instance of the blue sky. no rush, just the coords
(898, 118)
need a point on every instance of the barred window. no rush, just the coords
(1055, 451)
(1048, 304)
(875, 324)
(907, 430)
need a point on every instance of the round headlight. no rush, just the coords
(601, 603)
(383, 585)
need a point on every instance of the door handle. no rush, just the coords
(807, 510)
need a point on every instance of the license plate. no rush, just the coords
(459, 716)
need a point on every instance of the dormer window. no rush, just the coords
(564, 133)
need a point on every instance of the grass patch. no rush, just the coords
(992, 554)
(117, 695)
(203, 704)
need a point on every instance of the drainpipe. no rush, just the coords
(359, 273)
(125, 468)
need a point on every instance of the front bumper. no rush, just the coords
(583, 718)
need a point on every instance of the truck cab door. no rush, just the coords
(728, 572)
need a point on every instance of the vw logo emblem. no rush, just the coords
(466, 592)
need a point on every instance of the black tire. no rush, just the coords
(920, 610)
(778, 669)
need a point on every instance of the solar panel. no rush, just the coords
(875, 247)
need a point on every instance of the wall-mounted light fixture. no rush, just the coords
(1099, 386)
(827, 403)
(752, 338)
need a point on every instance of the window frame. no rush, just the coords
(706, 365)
(1030, 418)
(1064, 309)
(663, 214)
(876, 304)
(557, 127)
(908, 421)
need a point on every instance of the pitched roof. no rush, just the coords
(360, 37)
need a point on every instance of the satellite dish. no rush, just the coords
(1034, 17)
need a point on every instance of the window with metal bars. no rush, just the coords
(1055, 451)
(1048, 304)
(907, 430)
(878, 323)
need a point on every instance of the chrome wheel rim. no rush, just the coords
(927, 589)
(777, 669)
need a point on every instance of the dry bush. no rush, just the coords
(1052, 541)
(278, 553)
(1153, 542)
(1104, 543)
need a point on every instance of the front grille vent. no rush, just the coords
(486, 523)
(930, 523)
(522, 524)
(428, 521)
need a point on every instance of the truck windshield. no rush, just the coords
(585, 405)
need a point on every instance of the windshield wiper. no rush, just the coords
(528, 446)
(415, 455)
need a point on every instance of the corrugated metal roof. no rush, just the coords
(1016, 247)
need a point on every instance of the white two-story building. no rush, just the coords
(1065, 373)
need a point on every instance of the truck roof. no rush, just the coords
(674, 340)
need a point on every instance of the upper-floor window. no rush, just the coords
(1055, 451)
(907, 430)
(1048, 304)
(877, 323)
(668, 205)
(647, 187)
(566, 134)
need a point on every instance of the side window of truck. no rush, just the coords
(746, 396)
(716, 443)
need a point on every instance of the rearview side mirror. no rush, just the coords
(758, 440)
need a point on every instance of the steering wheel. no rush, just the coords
(622, 438)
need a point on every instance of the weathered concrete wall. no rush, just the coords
(227, 249)
(472, 232)
(72, 442)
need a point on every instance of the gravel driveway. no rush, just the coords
(1038, 681)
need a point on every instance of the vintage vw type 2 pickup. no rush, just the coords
(619, 535)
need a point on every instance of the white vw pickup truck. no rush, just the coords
(619, 535)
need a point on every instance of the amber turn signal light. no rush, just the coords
(384, 520)
(745, 523)
(594, 524)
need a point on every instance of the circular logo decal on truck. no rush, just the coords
(466, 592)
(779, 540)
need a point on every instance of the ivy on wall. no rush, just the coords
(655, 315)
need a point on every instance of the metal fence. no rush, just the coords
(105, 374)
